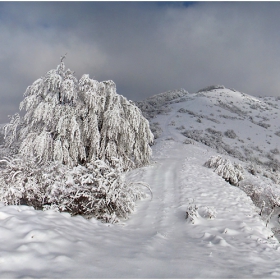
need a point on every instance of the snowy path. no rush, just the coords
(157, 241)
(232, 237)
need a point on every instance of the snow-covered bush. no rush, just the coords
(1, 136)
(192, 213)
(265, 125)
(158, 104)
(208, 212)
(253, 168)
(265, 197)
(95, 189)
(182, 110)
(180, 127)
(79, 121)
(275, 151)
(210, 88)
(216, 133)
(232, 173)
(255, 192)
(194, 134)
(230, 134)
(188, 141)
(214, 140)
(232, 108)
(268, 169)
(156, 130)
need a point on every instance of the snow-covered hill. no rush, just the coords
(196, 225)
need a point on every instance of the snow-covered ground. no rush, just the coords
(227, 239)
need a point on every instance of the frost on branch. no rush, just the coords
(10, 129)
(232, 173)
(79, 121)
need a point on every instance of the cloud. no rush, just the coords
(145, 47)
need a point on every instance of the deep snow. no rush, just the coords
(157, 241)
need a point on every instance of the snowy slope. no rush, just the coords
(227, 239)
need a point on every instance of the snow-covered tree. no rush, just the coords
(79, 121)
(73, 144)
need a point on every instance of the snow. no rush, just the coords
(227, 237)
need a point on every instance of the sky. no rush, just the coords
(145, 47)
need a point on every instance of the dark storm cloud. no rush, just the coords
(144, 47)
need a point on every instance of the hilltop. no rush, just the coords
(230, 122)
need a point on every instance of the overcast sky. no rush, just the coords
(144, 47)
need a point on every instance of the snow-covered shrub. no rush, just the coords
(162, 98)
(254, 191)
(253, 169)
(199, 116)
(189, 141)
(255, 106)
(156, 130)
(230, 134)
(267, 169)
(275, 151)
(180, 127)
(79, 121)
(265, 125)
(229, 117)
(276, 232)
(214, 140)
(232, 173)
(232, 108)
(273, 164)
(1, 136)
(192, 213)
(277, 133)
(216, 133)
(158, 104)
(194, 134)
(265, 197)
(182, 110)
(95, 189)
(208, 212)
(210, 88)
